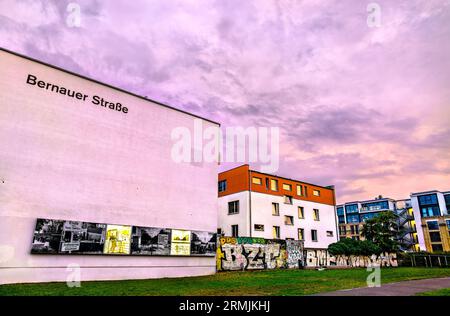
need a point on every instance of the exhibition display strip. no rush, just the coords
(52, 236)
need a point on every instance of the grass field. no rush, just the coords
(443, 292)
(273, 282)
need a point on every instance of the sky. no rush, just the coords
(364, 108)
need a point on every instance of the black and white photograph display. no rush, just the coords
(84, 238)
(150, 241)
(47, 236)
(203, 243)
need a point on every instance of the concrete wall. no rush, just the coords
(64, 158)
(251, 253)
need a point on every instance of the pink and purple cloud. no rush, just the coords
(366, 109)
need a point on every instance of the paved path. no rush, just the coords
(404, 288)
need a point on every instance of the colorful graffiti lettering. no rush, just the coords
(321, 257)
(248, 253)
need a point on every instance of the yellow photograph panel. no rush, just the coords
(117, 239)
(183, 236)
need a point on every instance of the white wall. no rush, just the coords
(418, 220)
(63, 158)
(262, 214)
(261, 205)
(242, 220)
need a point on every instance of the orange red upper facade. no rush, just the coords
(242, 178)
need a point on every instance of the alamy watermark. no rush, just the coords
(374, 278)
(74, 275)
(373, 15)
(259, 145)
(73, 18)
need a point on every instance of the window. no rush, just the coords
(288, 199)
(340, 210)
(233, 207)
(316, 214)
(301, 212)
(447, 201)
(341, 219)
(353, 218)
(329, 233)
(313, 235)
(428, 199)
(299, 190)
(288, 220)
(342, 230)
(234, 231)
(219, 231)
(352, 208)
(435, 237)
(256, 180)
(301, 234)
(316, 192)
(267, 184)
(275, 209)
(367, 216)
(433, 225)
(259, 227)
(429, 205)
(287, 187)
(276, 232)
(274, 185)
(375, 206)
(306, 190)
(448, 224)
(430, 211)
(354, 229)
(222, 185)
(436, 247)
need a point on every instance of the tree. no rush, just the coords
(381, 231)
(349, 247)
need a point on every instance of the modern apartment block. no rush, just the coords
(432, 213)
(255, 204)
(352, 215)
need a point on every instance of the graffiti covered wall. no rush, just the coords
(247, 253)
(321, 257)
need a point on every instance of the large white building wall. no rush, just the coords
(63, 158)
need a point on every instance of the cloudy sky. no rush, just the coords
(364, 108)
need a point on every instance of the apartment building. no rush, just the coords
(432, 213)
(256, 204)
(352, 215)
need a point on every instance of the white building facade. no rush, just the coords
(96, 161)
(254, 204)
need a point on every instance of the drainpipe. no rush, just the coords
(335, 212)
(250, 200)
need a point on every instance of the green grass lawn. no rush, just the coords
(442, 292)
(272, 282)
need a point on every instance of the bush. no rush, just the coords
(349, 247)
